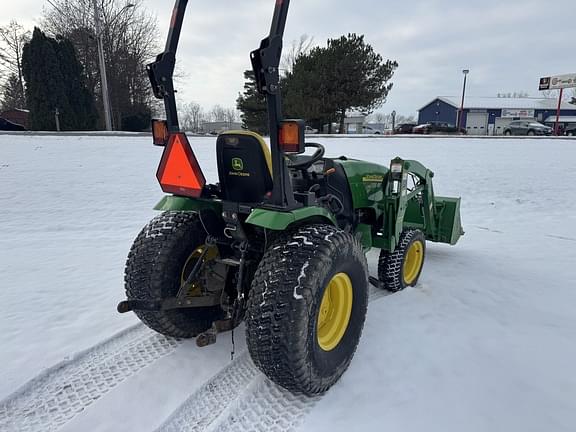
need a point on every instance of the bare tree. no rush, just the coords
(13, 37)
(231, 115)
(400, 119)
(555, 94)
(191, 116)
(379, 117)
(217, 114)
(297, 48)
(515, 95)
(386, 119)
(130, 41)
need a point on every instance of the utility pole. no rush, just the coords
(57, 119)
(102, 63)
(461, 115)
(557, 123)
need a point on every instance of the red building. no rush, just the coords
(18, 116)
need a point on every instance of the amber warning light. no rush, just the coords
(179, 172)
(160, 132)
(292, 136)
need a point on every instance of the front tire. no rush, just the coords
(157, 262)
(402, 268)
(307, 308)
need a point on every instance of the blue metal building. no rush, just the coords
(491, 115)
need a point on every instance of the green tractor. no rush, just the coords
(281, 241)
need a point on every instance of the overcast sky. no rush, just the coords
(507, 45)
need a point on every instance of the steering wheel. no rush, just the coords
(307, 161)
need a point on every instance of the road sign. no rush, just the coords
(558, 82)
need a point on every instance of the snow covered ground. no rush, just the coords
(485, 342)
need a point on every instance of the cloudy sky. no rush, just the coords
(507, 45)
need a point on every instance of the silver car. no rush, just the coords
(527, 127)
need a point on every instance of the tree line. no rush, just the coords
(194, 118)
(54, 68)
(53, 71)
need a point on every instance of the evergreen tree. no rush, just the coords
(44, 84)
(82, 114)
(329, 81)
(139, 120)
(306, 92)
(357, 76)
(54, 81)
(253, 106)
(13, 94)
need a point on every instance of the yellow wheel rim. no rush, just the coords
(335, 311)
(189, 265)
(413, 262)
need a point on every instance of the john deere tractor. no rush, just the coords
(280, 241)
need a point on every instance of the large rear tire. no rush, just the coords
(402, 268)
(157, 262)
(307, 308)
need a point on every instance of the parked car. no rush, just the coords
(570, 130)
(371, 130)
(310, 130)
(7, 125)
(437, 127)
(404, 128)
(527, 127)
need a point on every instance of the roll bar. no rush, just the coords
(265, 63)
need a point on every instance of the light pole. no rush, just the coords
(102, 62)
(461, 114)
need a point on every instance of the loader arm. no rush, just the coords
(404, 208)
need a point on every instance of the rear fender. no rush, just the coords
(178, 203)
(278, 221)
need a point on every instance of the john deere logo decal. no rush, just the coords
(237, 164)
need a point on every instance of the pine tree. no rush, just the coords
(44, 83)
(252, 105)
(54, 82)
(329, 81)
(13, 94)
(305, 90)
(82, 114)
(357, 76)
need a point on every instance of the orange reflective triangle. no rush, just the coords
(179, 172)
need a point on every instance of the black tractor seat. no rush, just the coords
(244, 167)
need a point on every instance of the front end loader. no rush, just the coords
(280, 241)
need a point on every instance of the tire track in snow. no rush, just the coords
(53, 398)
(210, 401)
(240, 398)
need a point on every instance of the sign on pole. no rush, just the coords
(558, 82)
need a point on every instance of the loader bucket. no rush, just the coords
(448, 217)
